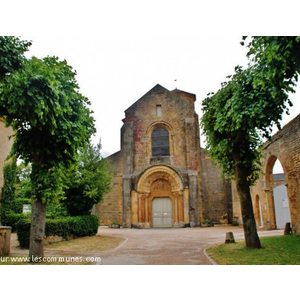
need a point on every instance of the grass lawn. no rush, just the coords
(279, 250)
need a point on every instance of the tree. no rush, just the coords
(243, 112)
(87, 181)
(51, 120)
(235, 119)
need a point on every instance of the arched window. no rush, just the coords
(160, 142)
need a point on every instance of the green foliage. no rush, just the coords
(56, 209)
(11, 207)
(65, 227)
(18, 203)
(87, 181)
(245, 109)
(23, 232)
(277, 58)
(11, 54)
(23, 183)
(236, 119)
(8, 191)
(13, 218)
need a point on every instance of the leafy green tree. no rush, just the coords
(244, 110)
(87, 181)
(51, 120)
(234, 121)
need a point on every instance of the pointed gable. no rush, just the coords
(157, 90)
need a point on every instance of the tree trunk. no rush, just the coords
(243, 189)
(37, 231)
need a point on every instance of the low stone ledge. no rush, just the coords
(5, 233)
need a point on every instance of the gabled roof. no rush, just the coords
(158, 89)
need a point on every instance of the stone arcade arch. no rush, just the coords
(284, 146)
(274, 208)
(159, 182)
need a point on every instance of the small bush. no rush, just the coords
(12, 219)
(65, 227)
(23, 232)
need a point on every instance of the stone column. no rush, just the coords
(186, 206)
(193, 166)
(194, 201)
(127, 201)
(127, 148)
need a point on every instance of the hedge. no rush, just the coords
(65, 227)
(12, 219)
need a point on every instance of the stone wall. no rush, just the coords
(111, 209)
(216, 192)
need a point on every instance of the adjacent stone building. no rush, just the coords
(162, 178)
(284, 146)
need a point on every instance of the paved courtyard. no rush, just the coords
(182, 246)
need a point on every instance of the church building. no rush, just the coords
(161, 175)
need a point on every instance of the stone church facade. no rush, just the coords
(161, 176)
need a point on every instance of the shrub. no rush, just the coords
(12, 219)
(23, 232)
(65, 227)
(56, 210)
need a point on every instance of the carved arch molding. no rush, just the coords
(159, 182)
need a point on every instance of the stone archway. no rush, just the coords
(159, 182)
(279, 213)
